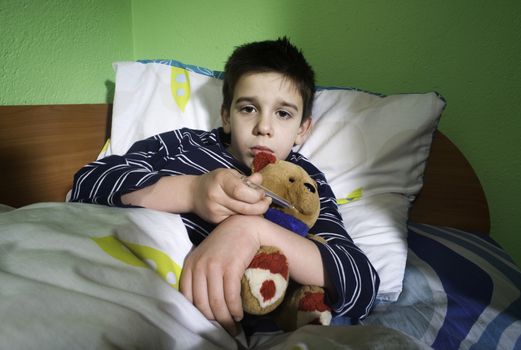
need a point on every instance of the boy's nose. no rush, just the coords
(264, 125)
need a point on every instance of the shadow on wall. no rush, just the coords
(111, 87)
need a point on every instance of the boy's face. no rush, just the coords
(265, 115)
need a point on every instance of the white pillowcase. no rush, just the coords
(151, 98)
(372, 148)
(372, 144)
(378, 225)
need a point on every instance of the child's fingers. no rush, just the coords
(200, 294)
(217, 302)
(257, 208)
(232, 296)
(237, 186)
(255, 178)
(242, 190)
(185, 284)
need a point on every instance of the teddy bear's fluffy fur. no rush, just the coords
(266, 279)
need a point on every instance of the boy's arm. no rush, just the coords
(350, 280)
(353, 279)
(159, 195)
(139, 178)
(213, 196)
(212, 271)
(105, 180)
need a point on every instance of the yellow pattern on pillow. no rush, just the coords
(180, 87)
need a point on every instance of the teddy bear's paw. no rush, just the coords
(312, 308)
(305, 305)
(265, 281)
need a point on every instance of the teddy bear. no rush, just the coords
(265, 282)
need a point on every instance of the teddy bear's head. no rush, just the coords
(292, 183)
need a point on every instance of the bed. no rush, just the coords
(86, 276)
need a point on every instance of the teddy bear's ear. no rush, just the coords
(262, 159)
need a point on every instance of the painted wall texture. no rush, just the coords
(60, 51)
(468, 50)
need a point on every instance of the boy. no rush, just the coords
(267, 100)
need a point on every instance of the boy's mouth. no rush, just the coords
(258, 149)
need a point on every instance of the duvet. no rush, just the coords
(82, 276)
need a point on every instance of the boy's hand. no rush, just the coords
(222, 193)
(211, 277)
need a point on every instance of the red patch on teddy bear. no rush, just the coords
(268, 289)
(313, 302)
(274, 262)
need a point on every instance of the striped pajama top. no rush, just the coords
(195, 152)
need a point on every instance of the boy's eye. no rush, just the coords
(284, 114)
(248, 109)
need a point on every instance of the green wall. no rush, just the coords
(469, 50)
(60, 51)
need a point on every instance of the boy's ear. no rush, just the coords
(225, 119)
(303, 131)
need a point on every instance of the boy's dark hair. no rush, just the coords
(278, 56)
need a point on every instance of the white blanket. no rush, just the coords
(81, 276)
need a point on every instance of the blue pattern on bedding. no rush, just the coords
(498, 326)
(462, 311)
(497, 258)
(481, 245)
(460, 291)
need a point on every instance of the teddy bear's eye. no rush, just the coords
(310, 187)
(292, 179)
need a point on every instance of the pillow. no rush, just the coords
(378, 226)
(155, 96)
(372, 148)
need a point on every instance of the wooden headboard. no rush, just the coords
(42, 146)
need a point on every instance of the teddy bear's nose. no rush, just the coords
(310, 187)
